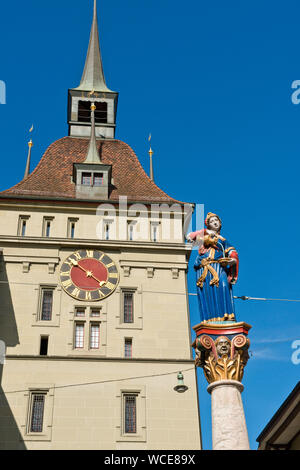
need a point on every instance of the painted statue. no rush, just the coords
(217, 270)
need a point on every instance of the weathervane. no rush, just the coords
(30, 145)
(151, 159)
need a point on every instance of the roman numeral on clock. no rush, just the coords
(67, 283)
(88, 296)
(109, 285)
(76, 292)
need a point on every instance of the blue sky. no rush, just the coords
(212, 82)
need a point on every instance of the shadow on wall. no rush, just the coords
(10, 436)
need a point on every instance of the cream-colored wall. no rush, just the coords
(88, 417)
(90, 224)
(160, 304)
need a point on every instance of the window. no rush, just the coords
(44, 346)
(23, 229)
(37, 412)
(86, 179)
(47, 226)
(154, 231)
(84, 111)
(72, 230)
(79, 335)
(46, 305)
(22, 226)
(95, 336)
(101, 112)
(131, 230)
(98, 179)
(36, 425)
(79, 312)
(128, 307)
(71, 227)
(128, 347)
(130, 415)
(132, 409)
(106, 231)
(87, 329)
(95, 312)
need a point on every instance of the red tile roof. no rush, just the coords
(53, 175)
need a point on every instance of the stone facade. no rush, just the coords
(78, 414)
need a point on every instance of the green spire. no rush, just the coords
(93, 76)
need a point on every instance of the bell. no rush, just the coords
(180, 387)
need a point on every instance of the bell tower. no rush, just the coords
(92, 88)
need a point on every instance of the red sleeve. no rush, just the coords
(193, 235)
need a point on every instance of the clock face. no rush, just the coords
(89, 275)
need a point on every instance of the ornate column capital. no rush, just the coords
(222, 350)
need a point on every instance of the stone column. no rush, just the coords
(222, 352)
(229, 430)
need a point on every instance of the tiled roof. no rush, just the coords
(53, 175)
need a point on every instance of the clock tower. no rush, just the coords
(94, 305)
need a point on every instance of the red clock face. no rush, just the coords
(89, 275)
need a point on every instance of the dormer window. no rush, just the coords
(92, 180)
(86, 179)
(98, 179)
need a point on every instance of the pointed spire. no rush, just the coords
(93, 155)
(27, 170)
(151, 160)
(30, 145)
(93, 76)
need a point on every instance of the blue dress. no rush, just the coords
(215, 296)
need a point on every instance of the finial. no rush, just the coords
(93, 155)
(93, 75)
(30, 145)
(151, 160)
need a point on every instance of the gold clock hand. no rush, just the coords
(88, 273)
(101, 283)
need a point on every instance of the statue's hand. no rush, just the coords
(231, 261)
(233, 281)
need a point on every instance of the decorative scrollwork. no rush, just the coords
(206, 341)
(239, 341)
